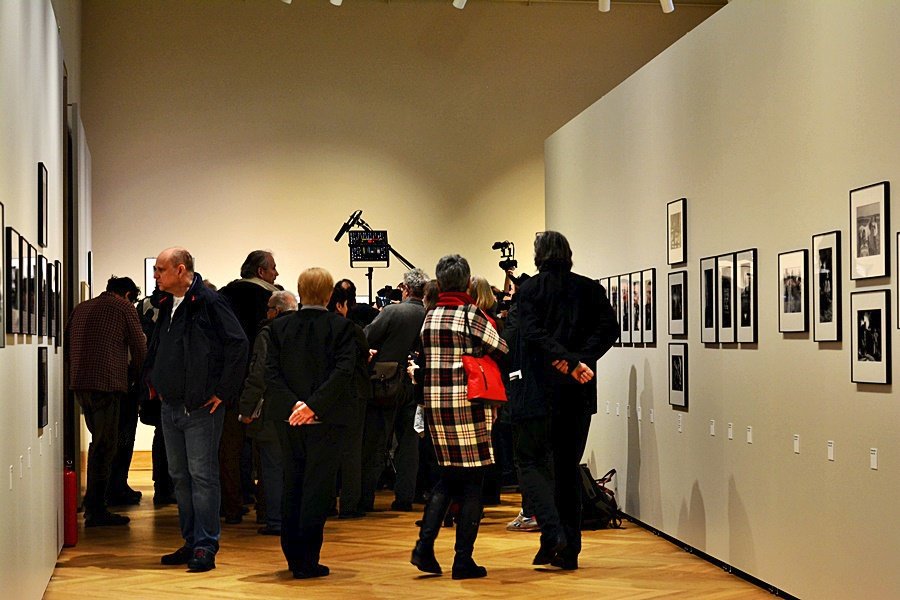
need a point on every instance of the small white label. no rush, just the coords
(796, 443)
(21, 466)
(680, 426)
(712, 427)
(873, 459)
(731, 431)
(49, 436)
(10, 476)
(607, 407)
(651, 415)
(749, 434)
(639, 412)
(618, 407)
(830, 450)
(56, 429)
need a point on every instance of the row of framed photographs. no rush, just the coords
(633, 299)
(31, 299)
(728, 296)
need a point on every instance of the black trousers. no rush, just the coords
(121, 462)
(101, 413)
(312, 455)
(230, 448)
(549, 451)
(381, 426)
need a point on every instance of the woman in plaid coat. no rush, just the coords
(459, 429)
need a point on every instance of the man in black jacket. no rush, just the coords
(195, 364)
(565, 324)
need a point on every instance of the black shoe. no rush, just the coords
(467, 569)
(104, 519)
(401, 506)
(127, 497)
(164, 499)
(549, 549)
(424, 560)
(311, 572)
(356, 514)
(234, 520)
(268, 530)
(179, 557)
(566, 564)
(203, 560)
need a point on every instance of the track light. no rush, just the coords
(667, 6)
(604, 5)
(460, 4)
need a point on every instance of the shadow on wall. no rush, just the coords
(740, 536)
(633, 450)
(692, 520)
(650, 494)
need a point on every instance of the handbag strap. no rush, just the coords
(479, 350)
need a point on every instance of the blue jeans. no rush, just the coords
(192, 448)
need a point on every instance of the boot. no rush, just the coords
(424, 560)
(466, 531)
(550, 547)
(423, 554)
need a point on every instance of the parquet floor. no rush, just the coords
(369, 558)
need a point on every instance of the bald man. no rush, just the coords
(195, 366)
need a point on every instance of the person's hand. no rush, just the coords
(561, 366)
(582, 373)
(372, 354)
(246, 420)
(214, 402)
(411, 369)
(302, 414)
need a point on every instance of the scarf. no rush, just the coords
(454, 299)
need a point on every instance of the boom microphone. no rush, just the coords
(354, 217)
(497, 245)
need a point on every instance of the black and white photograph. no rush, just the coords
(678, 303)
(871, 337)
(637, 315)
(648, 305)
(678, 374)
(57, 304)
(43, 415)
(746, 295)
(625, 308)
(4, 268)
(708, 296)
(613, 293)
(869, 225)
(826, 286)
(29, 275)
(727, 327)
(793, 313)
(13, 268)
(41, 303)
(676, 222)
(43, 205)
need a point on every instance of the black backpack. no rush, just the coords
(599, 507)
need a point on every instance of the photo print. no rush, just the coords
(678, 303)
(13, 281)
(871, 337)
(29, 275)
(648, 305)
(675, 231)
(727, 330)
(826, 286)
(746, 295)
(678, 374)
(43, 205)
(793, 315)
(708, 330)
(624, 307)
(869, 224)
(613, 292)
(637, 314)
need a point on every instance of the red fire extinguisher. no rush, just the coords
(70, 506)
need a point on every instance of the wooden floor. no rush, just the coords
(369, 558)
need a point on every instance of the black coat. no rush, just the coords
(312, 356)
(561, 315)
(249, 302)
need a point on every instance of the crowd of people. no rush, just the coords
(303, 405)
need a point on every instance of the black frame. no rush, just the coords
(881, 268)
(57, 303)
(31, 291)
(725, 303)
(679, 255)
(684, 368)
(709, 332)
(3, 270)
(821, 331)
(43, 412)
(804, 290)
(637, 317)
(648, 306)
(884, 305)
(43, 200)
(613, 295)
(40, 299)
(747, 334)
(13, 242)
(624, 313)
(678, 326)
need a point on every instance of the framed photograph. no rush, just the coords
(14, 263)
(90, 273)
(793, 313)
(30, 287)
(625, 308)
(708, 296)
(57, 303)
(43, 413)
(637, 315)
(725, 315)
(746, 295)
(43, 205)
(613, 293)
(4, 269)
(678, 374)
(150, 283)
(678, 303)
(870, 346)
(826, 286)
(41, 302)
(676, 225)
(869, 224)
(648, 305)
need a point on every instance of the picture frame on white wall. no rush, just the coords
(625, 308)
(678, 303)
(43, 205)
(870, 335)
(826, 286)
(648, 305)
(3, 270)
(57, 303)
(40, 296)
(43, 388)
(678, 375)
(676, 231)
(613, 293)
(30, 290)
(746, 295)
(149, 282)
(708, 300)
(14, 262)
(793, 287)
(725, 307)
(869, 224)
(637, 316)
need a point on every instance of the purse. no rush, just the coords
(484, 383)
(386, 378)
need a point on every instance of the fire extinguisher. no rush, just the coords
(70, 506)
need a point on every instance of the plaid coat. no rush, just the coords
(460, 430)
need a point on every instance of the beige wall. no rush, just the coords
(764, 118)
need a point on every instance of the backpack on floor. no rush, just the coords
(599, 507)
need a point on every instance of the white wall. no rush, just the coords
(31, 131)
(764, 118)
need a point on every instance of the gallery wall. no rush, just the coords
(31, 123)
(763, 118)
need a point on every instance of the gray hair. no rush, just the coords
(256, 260)
(415, 281)
(180, 256)
(283, 300)
(453, 273)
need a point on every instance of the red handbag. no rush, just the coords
(483, 380)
